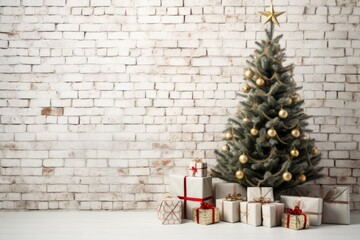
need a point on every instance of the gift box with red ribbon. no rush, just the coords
(192, 191)
(206, 214)
(295, 219)
(198, 168)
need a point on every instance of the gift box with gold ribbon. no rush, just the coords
(198, 168)
(260, 194)
(309, 205)
(206, 214)
(230, 207)
(224, 188)
(169, 209)
(295, 219)
(272, 214)
(250, 213)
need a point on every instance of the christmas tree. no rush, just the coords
(267, 143)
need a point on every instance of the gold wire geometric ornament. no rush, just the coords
(271, 16)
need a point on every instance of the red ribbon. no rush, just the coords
(194, 170)
(205, 205)
(295, 211)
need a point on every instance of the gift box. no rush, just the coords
(295, 219)
(260, 194)
(250, 213)
(309, 205)
(336, 204)
(169, 209)
(206, 214)
(222, 190)
(229, 208)
(272, 214)
(198, 168)
(192, 191)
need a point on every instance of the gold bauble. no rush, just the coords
(288, 101)
(287, 176)
(239, 174)
(243, 158)
(302, 178)
(260, 82)
(296, 98)
(249, 74)
(271, 132)
(246, 88)
(295, 133)
(246, 120)
(294, 152)
(228, 136)
(315, 150)
(254, 131)
(225, 148)
(283, 113)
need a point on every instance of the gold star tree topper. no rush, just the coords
(271, 16)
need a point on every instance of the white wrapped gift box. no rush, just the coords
(260, 194)
(222, 190)
(250, 213)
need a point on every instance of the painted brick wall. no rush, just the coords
(100, 100)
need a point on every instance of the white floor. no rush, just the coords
(144, 225)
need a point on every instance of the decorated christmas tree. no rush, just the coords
(267, 142)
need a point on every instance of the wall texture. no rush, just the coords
(100, 99)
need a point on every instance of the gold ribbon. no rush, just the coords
(234, 197)
(261, 200)
(245, 214)
(332, 195)
(198, 160)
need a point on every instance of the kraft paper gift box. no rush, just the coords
(295, 222)
(198, 168)
(169, 209)
(192, 191)
(260, 194)
(309, 205)
(250, 213)
(336, 204)
(272, 214)
(229, 209)
(222, 190)
(205, 214)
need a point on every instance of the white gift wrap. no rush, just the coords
(196, 188)
(250, 213)
(229, 210)
(255, 193)
(222, 190)
(197, 169)
(268, 215)
(309, 205)
(336, 204)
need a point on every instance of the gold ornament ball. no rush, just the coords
(254, 132)
(315, 151)
(302, 178)
(287, 176)
(296, 98)
(295, 133)
(246, 120)
(243, 158)
(239, 174)
(260, 82)
(246, 88)
(283, 113)
(288, 101)
(294, 152)
(271, 132)
(225, 148)
(249, 74)
(228, 136)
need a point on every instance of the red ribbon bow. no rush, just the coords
(205, 205)
(296, 210)
(194, 170)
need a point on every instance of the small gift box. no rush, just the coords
(229, 208)
(223, 189)
(272, 214)
(169, 209)
(192, 191)
(295, 219)
(198, 168)
(206, 214)
(336, 204)
(260, 194)
(309, 205)
(250, 213)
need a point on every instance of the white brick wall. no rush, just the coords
(101, 99)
